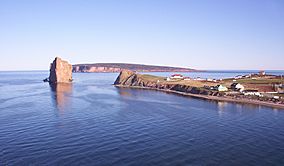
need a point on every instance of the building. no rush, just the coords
(238, 77)
(176, 76)
(237, 87)
(199, 79)
(279, 88)
(261, 73)
(251, 93)
(186, 78)
(221, 88)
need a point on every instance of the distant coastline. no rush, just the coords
(118, 67)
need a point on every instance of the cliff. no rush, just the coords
(60, 71)
(128, 78)
(118, 67)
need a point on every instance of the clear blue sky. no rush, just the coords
(201, 34)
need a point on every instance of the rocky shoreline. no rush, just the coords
(129, 79)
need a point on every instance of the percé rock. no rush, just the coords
(60, 71)
(128, 78)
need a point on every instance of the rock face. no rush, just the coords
(124, 76)
(60, 71)
(128, 78)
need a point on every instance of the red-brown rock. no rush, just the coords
(60, 71)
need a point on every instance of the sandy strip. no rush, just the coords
(216, 98)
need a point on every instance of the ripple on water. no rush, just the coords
(92, 123)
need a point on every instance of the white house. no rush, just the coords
(221, 88)
(187, 78)
(198, 79)
(251, 92)
(238, 87)
(261, 73)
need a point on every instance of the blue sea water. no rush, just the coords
(90, 122)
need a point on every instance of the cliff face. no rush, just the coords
(60, 71)
(130, 79)
(118, 67)
(125, 78)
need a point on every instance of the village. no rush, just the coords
(260, 85)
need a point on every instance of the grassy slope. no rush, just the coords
(152, 78)
(261, 81)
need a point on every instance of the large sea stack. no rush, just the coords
(60, 71)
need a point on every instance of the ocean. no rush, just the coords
(91, 122)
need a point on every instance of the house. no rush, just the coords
(251, 92)
(238, 77)
(221, 88)
(261, 73)
(279, 88)
(198, 79)
(237, 87)
(176, 76)
(186, 78)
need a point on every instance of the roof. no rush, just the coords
(176, 75)
(250, 90)
(234, 84)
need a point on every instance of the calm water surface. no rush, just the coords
(90, 122)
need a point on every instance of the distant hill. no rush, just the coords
(117, 67)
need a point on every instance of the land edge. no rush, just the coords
(214, 98)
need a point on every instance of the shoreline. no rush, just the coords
(215, 98)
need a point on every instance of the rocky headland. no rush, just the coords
(130, 79)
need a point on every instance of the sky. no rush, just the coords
(200, 34)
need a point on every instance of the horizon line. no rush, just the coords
(196, 70)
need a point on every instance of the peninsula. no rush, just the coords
(118, 67)
(259, 89)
